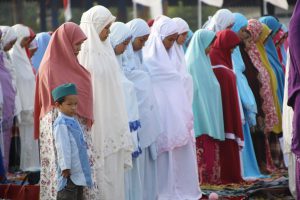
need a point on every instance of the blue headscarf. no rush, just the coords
(240, 21)
(187, 40)
(207, 100)
(42, 42)
(245, 92)
(274, 25)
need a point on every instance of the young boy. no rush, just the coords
(73, 165)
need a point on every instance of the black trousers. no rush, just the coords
(70, 192)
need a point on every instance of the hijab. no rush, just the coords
(177, 56)
(268, 105)
(98, 57)
(138, 28)
(59, 60)
(220, 53)
(246, 95)
(176, 114)
(182, 25)
(133, 69)
(42, 43)
(272, 23)
(119, 32)
(240, 21)
(207, 100)
(9, 35)
(220, 21)
(7, 90)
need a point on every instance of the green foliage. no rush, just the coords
(6, 17)
(190, 13)
(31, 14)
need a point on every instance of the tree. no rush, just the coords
(122, 11)
(43, 24)
(17, 7)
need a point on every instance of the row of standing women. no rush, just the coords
(17, 98)
(158, 122)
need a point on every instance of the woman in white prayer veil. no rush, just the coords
(25, 82)
(221, 20)
(120, 37)
(148, 111)
(140, 34)
(177, 168)
(177, 56)
(110, 132)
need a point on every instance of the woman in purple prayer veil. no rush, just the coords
(8, 106)
(294, 86)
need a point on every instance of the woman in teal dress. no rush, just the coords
(207, 106)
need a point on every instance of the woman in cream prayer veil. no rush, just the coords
(110, 132)
(25, 82)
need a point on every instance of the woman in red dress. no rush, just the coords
(220, 55)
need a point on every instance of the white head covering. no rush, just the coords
(24, 72)
(8, 35)
(182, 25)
(110, 131)
(138, 28)
(119, 32)
(175, 111)
(220, 21)
(178, 58)
(154, 50)
(33, 44)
